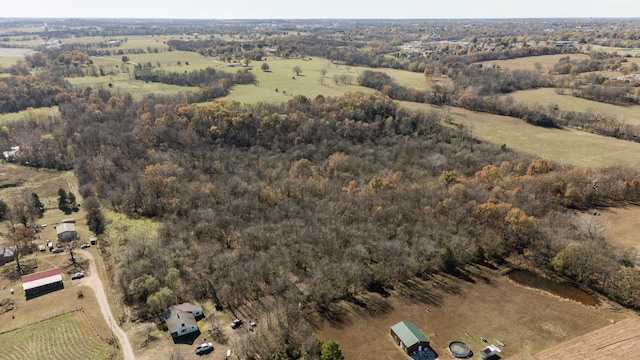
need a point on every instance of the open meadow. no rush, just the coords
(483, 303)
(567, 102)
(619, 225)
(529, 63)
(564, 146)
(29, 114)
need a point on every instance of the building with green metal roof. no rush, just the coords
(409, 337)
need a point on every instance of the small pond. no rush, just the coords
(530, 279)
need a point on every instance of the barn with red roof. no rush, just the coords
(42, 282)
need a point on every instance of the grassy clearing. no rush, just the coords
(121, 229)
(447, 309)
(29, 113)
(570, 147)
(528, 63)
(547, 96)
(620, 225)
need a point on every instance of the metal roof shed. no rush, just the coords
(407, 335)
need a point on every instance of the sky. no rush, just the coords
(321, 9)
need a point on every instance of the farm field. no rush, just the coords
(619, 341)
(547, 96)
(528, 63)
(564, 146)
(487, 304)
(67, 336)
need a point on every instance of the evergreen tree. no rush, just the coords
(331, 351)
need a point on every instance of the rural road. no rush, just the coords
(93, 281)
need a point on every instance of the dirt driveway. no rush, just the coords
(93, 281)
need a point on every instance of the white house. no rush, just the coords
(179, 322)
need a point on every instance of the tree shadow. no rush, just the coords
(370, 305)
(419, 292)
(335, 314)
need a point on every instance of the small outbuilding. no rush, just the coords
(66, 232)
(409, 337)
(42, 282)
(489, 352)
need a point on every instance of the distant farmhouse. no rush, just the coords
(43, 282)
(181, 319)
(409, 337)
(66, 231)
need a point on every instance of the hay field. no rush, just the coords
(528, 63)
(446, 308)
(567, 102)
(564, 146)
(615, 341)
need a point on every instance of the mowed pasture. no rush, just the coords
(529, 63)
(567, 102)
(486, 304)
(563, 146)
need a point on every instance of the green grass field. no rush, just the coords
(64, 337)
(567, 102)
(528, 63)
(25, 114)
(123, 83)
(570, 147)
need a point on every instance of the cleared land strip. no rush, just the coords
(616, 341)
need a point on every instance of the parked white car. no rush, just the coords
(204, 348)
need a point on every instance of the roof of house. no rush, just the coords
(190, 307)
(408, 333)
(7, 251)
(64, 227)
(38, 279)
(174, 317)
